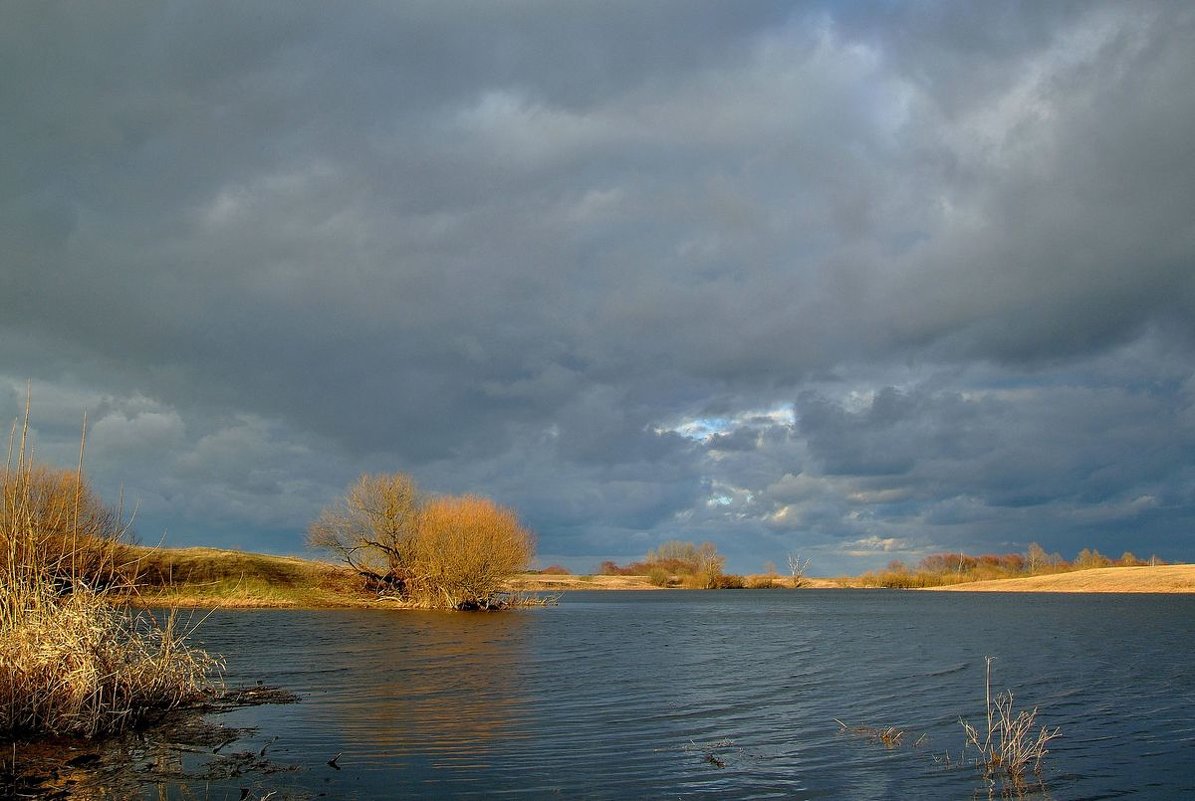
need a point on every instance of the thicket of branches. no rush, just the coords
(677, 562)
(50, 518)
(940, 569)
(433, 552)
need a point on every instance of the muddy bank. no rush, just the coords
(185, 747)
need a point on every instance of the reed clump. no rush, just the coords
(889, 736)
(72, 662)
(1010, 749)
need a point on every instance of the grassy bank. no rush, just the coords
(207, 577)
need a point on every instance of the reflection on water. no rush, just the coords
(439, 697)
(703, 695)
(443, 684)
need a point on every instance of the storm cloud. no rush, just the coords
(857, 280)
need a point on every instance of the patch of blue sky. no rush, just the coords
(700, 429)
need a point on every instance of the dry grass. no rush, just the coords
(540, 582)
(70, 661)
(889, 736)
(1009, 749)
(206, 577)
(78, 665)
(1160, 578)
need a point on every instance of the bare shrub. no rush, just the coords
(449, 552)
(611, 568)
(51, 518)
(730, 581)
(693, 566)
(1009, 748)
(373, 528)
(797, 568)
(659, 577)
(464, 551)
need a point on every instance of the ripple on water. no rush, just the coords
(718, 695)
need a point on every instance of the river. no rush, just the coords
(725, 694)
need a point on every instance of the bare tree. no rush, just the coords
(453, 553)
(797, 567)
(52, 517)
(373, 528)
(1036, 558)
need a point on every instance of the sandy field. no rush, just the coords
(537, 582)
(1163, 578)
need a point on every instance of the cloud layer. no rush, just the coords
(863, 282)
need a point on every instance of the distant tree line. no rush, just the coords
(940, 569)
(677, 563)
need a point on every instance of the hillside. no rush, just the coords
(216, 577)
(1163, 578)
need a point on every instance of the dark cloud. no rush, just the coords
(585, 258)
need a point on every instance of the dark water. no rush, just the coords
(713, 695)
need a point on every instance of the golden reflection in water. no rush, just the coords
(448, 685)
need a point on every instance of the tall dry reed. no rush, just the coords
(71, 660)
(1010, 748)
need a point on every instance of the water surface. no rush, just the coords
(731, 694)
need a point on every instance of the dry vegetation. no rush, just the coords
(464, 551)
(539, 582)
(677, 563)
(945, 569)
(888, 736)
(70, 661)
(1009, 749)
(207, 577)
(435, 553)
(1162, 578)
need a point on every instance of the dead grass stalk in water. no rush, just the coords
(890, 736)
(1010, 748)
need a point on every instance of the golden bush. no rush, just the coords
(465, 549)
(449, 552)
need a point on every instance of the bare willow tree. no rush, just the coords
(797, 568)
(464, 551)
(433, 552)
(373, 528)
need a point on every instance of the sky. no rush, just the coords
(862, 281)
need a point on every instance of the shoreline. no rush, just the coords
(205, 578)
(1173, 579)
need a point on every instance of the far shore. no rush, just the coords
(540, 582)
(212, 577)
(1161, 578)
